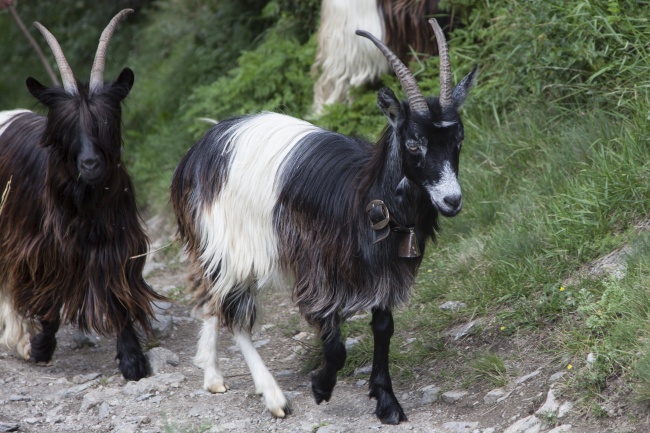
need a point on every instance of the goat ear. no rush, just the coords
(390, 106)
(459, 94)
(122, 86)
(37, 90)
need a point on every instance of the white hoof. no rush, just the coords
(216, 388)
(24, 347)
(277, 403)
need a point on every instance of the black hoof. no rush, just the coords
(133, 367)
(43, 347)
(388, 410)
(322, 386)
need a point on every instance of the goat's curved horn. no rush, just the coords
(69, 82)
(445, 66)
(97, 72)
(407, 80)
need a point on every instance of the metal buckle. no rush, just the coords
(384, 211)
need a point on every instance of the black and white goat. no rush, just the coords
(266, 199)
(341, 63)
(69, 229)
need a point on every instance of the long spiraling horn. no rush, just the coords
(446, 85)
(97, 72)
(69, 82)
(407, 80)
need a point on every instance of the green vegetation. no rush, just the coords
(555, 171)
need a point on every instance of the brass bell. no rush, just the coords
(408, 244)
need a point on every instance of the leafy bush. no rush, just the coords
(275, 76)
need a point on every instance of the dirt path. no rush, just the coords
(82, 391)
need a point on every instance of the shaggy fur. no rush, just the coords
(270, 200)
(343, 61)
(70, 229)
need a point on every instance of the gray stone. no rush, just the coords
(564, 409)
(8, 427)
(453, 396)
(76, 389)
(330, 428)
(564, 428)
(161, 382)
(557, 376)
(527, 377)
(144, 397)
(550, 406)
(460, 427)
(458, 332)
(430, 394)
(350, 343)
(530, 424)
(18, 397)
(159, 358)
(162, 326)
(97, 397)
(83, 378)
(366, 369)
(261, 343)
(161, 307)
(81, 339)
(453, 306)
(494, 395)
(125, 428)
(104, 410)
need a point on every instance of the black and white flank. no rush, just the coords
(267, 199)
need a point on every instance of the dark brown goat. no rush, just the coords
(70, 229)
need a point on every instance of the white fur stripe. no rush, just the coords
(247, 247)
(6, 118)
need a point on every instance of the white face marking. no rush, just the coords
(448, 186)
(444, 124)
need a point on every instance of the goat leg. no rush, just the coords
(133, 364)
(388, 410)
(323, 380)
(43, 343)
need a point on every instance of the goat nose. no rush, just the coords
(453, 201)
(90, 164)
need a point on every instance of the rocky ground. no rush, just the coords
(82, 391)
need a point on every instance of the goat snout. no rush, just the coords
(90, 169)
(454, 201)
(90, 164)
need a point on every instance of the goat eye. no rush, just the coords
(412, 145)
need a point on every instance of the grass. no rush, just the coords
(489, 368)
